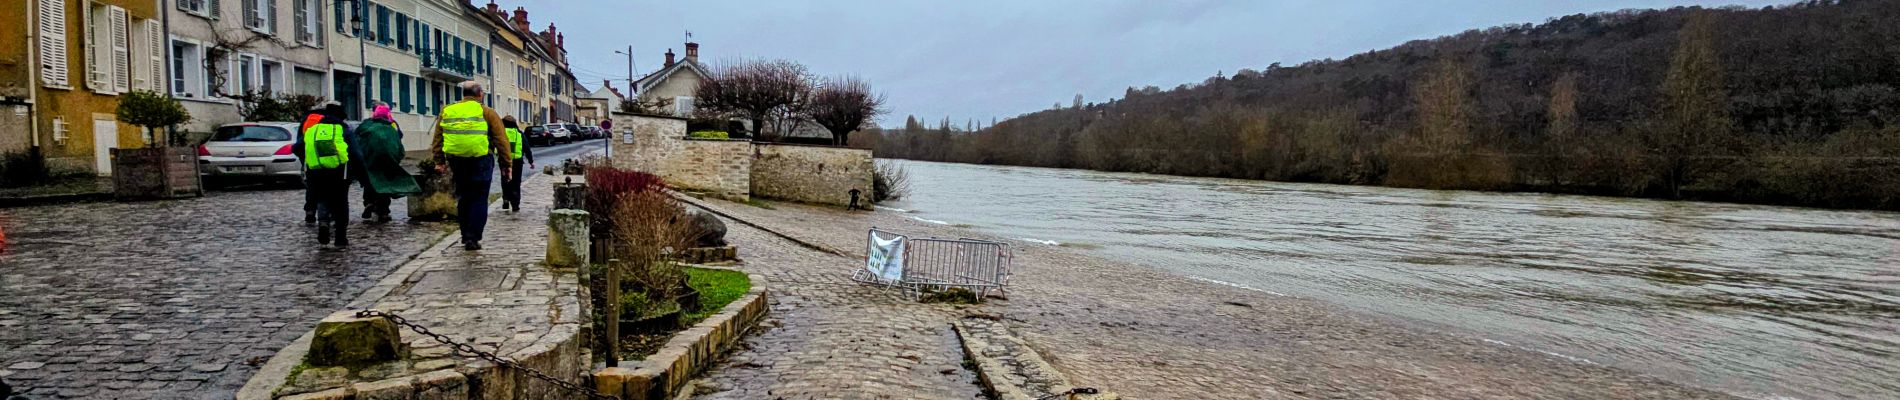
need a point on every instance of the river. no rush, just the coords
(1757, 301)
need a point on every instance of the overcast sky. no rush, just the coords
(977, 59)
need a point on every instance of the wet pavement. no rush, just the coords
(178, 299)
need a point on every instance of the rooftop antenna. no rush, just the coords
(689, 36)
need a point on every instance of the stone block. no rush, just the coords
(629, 384)
(332, 394)
(388, 389)
(569, 245)
(441, 385)
(343, 339)
(570, 195)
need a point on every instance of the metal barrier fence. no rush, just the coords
(919, 265)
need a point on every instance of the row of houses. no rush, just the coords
(59, 87)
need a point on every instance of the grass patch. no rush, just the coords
(717, 287)
(758, 203)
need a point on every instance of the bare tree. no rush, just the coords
(843, 104)
(756, 90)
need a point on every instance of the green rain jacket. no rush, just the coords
(382, 154)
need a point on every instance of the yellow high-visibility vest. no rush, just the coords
(324, 148)
(464, 130)
(514, 142)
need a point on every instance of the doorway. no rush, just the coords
(105, 137)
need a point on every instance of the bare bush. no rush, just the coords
(650, 227)
(889, 182)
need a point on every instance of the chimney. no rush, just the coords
(521, 19)
(560, 40)
(692, 51)
(492, 8)
(669, 57)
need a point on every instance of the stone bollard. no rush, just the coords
(568, 238)
(343, 339)
(570, 195)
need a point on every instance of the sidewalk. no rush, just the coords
(63, 190)
(502, 298)
(828, 337)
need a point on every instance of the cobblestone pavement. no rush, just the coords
(179, 299)
(501, 298)
(1144, 333)
(830, 338)
(173, 299)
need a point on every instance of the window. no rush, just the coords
(185, 59)
(386, 81)
(422, 38)
(261, 15)
(272, 76)
(382, 24)
(403, 84)
(215, 89)
(193, 6)
(246, 74)
(149, 64)
(309, 22)
(402, 31)
(347, 16)
(683, 106)
(422, 95)
(52, 38)
(250, 133)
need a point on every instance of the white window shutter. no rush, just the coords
(53, 69)
(155, 55)
(298, 19)
(213, 9)
(121, 51)
(141, 45)
(250, 13)
(270, 16)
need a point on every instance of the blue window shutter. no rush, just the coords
(386, 81)
(402, 81)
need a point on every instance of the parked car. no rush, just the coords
(538, 136)
(253, 150)
(590, 133)
(558, 133)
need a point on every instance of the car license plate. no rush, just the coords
(256, 169)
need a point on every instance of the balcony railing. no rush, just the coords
(447, 64)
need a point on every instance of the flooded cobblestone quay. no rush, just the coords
(1132, 329)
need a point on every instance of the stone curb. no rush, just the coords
(29, 201)
(688, 353)
(716, 211)
(1007, 367)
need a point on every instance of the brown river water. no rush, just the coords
(1757, 301)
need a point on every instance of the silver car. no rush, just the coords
(259, 150)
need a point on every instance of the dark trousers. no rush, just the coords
(330, 189)
(472, 176)
(511, 187)
(375, 203)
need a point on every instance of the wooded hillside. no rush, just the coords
(1793, 104)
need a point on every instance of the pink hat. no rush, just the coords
(382, 113)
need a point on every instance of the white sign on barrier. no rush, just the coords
(886, 258)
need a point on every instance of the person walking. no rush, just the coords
(511, 187)
(468, 136)
(380, 153)
(326, 158)
(310, 202)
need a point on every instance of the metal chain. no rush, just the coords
(466, 348)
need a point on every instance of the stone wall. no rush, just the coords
(739, 169)
(658, 145)
(811, 174)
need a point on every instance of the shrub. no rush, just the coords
(606, 185)
(151, 110)
(708, 135)
(649, 228)
(889, 182)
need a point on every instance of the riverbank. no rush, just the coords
(1146, 333)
